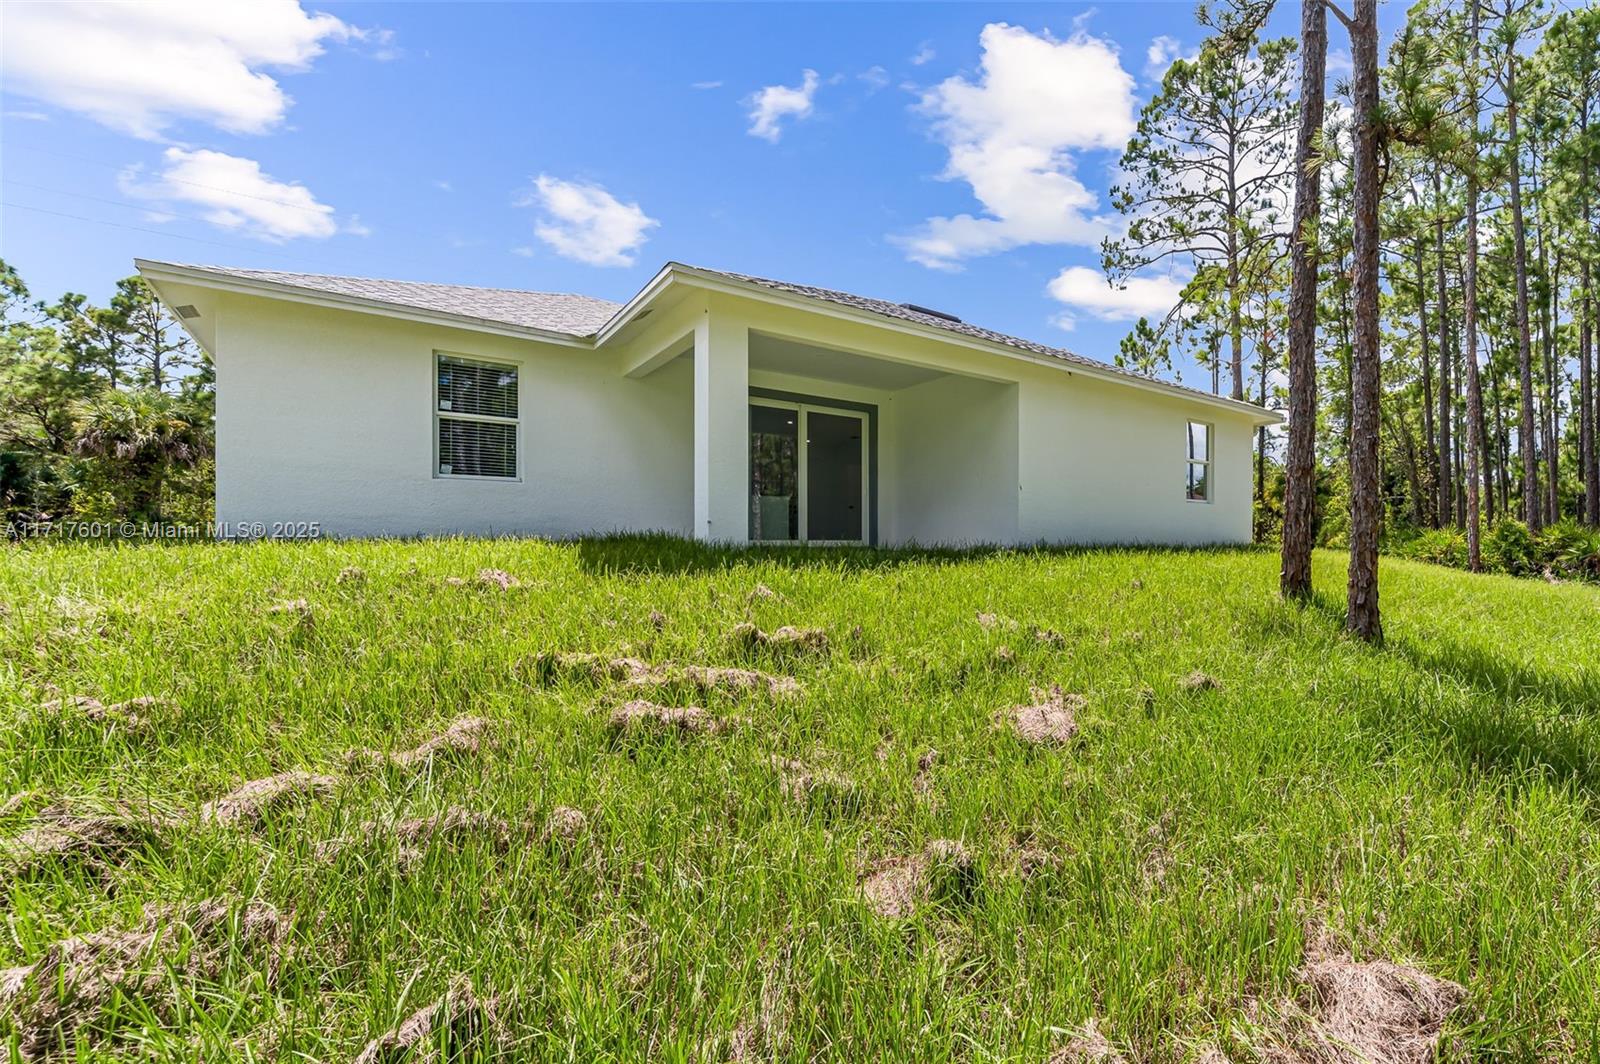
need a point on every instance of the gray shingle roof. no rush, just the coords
(906, 313)
(556, 312)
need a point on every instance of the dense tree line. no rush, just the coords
(106, 412)
(1408, 267)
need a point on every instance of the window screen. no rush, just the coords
(476, 415)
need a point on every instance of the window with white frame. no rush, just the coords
(475, 418)
(1198, 477)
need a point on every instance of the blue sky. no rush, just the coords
(951, 155)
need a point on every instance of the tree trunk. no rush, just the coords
(1532, 508)
(1299, 484)
(1426, 360)
(1586, 434)
(1446, 404)
(1361, 611)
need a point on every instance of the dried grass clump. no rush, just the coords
(136, 714)
(156, 962)
(249, 804)
(101, 838)
(943, 872)
(415, 836)
(1049, 637)
(708, 678)
(297, 607)
(497, 578)
(1087, 1046)
(351, 574)
(1200, 681)
(548, 666)
(922, 780)
(565, 824)
(1050, 721)
(1364, 1012)
(761, 591)
(460, 1024)
(785, 640)
(809, 786)
(641, 717)
(994, 620)
(464, 735)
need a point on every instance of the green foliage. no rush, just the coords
(1509, 548)
(108, 410)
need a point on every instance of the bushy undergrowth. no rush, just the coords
(1566, 550)
(636, 799)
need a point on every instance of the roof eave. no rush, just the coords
(677, 272)
(154, 271)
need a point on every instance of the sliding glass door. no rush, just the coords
(808, 474)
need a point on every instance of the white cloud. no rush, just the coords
(523, 251)
(1160, 56)
(770, 106)
(586, 223)
(443, 185)
(29, 116)
(704, 85)
(1339, 63)
(1083, 289)
(875, 77)
(1011, 135)
(140, 67)
(925, 54)
(234, 194)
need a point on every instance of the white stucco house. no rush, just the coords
(711, 404)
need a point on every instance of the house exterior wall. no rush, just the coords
(327, 415)
(957, 442)
(1102, 463)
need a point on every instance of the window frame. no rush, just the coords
(1207, 462)
(439, 357)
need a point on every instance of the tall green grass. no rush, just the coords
(1431, 801)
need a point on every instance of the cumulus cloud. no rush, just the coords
(925, 54)
(1160, 56)
(585, 223)
(770, 106)
(1082, 289)
(141, 67)
(234, 194)
(1012, 134)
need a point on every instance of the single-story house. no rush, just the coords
(711, 404)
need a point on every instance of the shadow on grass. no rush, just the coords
(664, 553)
(1500, 731)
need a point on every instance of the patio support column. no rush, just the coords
(721, 428)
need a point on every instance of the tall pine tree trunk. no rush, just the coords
(1447, 490)
(1586, 433)
(1469, 314)
(1532, 504)
(1361, 609)
(1299, 485)
(1428, 436)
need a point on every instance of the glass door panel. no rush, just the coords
(834, 476)
(774, 473)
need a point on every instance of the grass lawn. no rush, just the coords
(1161, 873)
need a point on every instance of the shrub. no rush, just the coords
(1509, 548)
(1442, 546)
(1580, 553)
